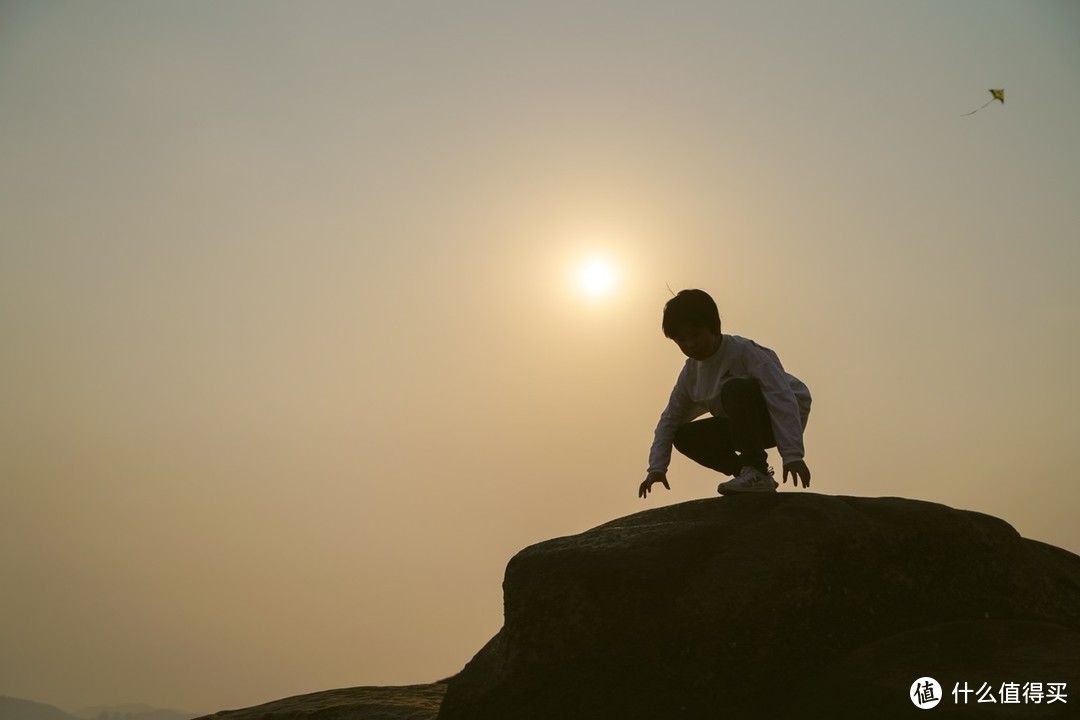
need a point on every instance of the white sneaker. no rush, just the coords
(750, 479)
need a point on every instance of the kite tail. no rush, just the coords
(979, 108)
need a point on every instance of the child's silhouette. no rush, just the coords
(755, 405)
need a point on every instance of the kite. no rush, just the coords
(998, 95)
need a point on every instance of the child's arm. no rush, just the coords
(679, 408)
(784, 412)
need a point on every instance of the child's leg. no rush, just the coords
(709, 442)
(748, 417)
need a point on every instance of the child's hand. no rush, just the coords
(798, 471)
(653, 477)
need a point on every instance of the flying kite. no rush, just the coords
(998, 95)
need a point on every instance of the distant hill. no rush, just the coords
(131, 712)
(16, 709)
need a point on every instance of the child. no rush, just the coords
(755, 405)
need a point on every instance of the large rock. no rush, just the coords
(779, 605)
(404, 702)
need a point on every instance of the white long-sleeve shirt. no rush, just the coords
(697, 391)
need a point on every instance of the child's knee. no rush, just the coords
(684, 438)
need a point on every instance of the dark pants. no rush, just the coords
(727, 444)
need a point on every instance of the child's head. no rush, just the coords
(693, 322)
(688, 310)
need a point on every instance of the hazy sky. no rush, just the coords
(293, 360)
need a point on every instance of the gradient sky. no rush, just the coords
(292, 358)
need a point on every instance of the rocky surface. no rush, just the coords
(782, 605)
(407, 702)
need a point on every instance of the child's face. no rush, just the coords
(697, 343)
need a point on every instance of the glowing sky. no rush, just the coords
(295, 352)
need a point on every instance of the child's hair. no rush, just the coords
(690, 308)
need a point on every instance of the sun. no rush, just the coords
(597, 277)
